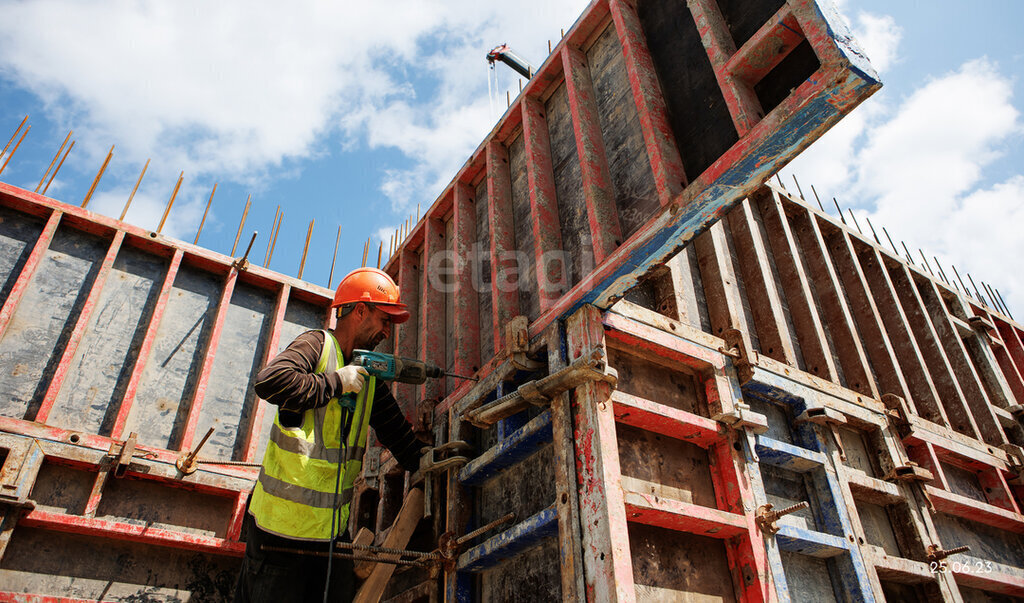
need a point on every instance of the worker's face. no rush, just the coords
(376, 327)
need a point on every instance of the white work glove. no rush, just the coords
(352, 378)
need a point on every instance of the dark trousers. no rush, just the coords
(273, 577)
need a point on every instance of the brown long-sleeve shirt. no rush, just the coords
(290, 383)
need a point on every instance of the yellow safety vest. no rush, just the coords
(295, 490)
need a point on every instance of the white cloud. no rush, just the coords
(879, 37)
(239, 90)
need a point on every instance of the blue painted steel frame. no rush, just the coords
(809, 455)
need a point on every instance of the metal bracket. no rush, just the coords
(911, 472)
(371, 467)
(742, 358)
(517, 344)
(1014, 457)
(242, 264)
(827, 417)
(898, 412)
(742, 417)
(981, 324)
(124, 455)
(431, 464)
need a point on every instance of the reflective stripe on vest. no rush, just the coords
(295, 490)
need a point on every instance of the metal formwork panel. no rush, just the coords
(121, 349)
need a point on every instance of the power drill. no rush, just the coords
(403, 370)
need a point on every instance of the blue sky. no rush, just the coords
(354, 115)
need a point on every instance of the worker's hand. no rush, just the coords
(352, 378)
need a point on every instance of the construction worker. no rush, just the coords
(308, 467)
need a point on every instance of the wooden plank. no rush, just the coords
(765, 304)
(606, 559)
(398, 537)
(252, 432)
(363, 569)
(598, 191)
(919, 347)
(803, 309)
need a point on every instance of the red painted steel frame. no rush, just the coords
(733, 519)
(669, 175)
(547, 233)
(744, 107)
(81, 324)
(598, 192)
(504, 295)
(131, 532)
(606, 558)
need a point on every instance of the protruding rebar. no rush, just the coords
(872, 227)
(957, 273)
(992, 296)
(818, 199)
(366, 251)
(273, 229)
(855, 222)
(245, 212)
(128, 203)
(926, 264)
(840, 210)
(13, 136)
(778, 177)
(942, 273)
(1000, 296)
(170, 202)
(203, 221)
(380, 252)
(186, 463)
(53, 161)
(485, 528)
(96, 180)
(909, 256)
(54, 174)
(798, 189)
(14, 150)
(273, 241)
(305, 248)
(334, 258)
(896, 251)
(981, 297)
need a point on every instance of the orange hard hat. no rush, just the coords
(371, 286)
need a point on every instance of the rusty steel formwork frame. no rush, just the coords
(97, 308)
(785, 339)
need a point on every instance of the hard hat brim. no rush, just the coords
(397, 312)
